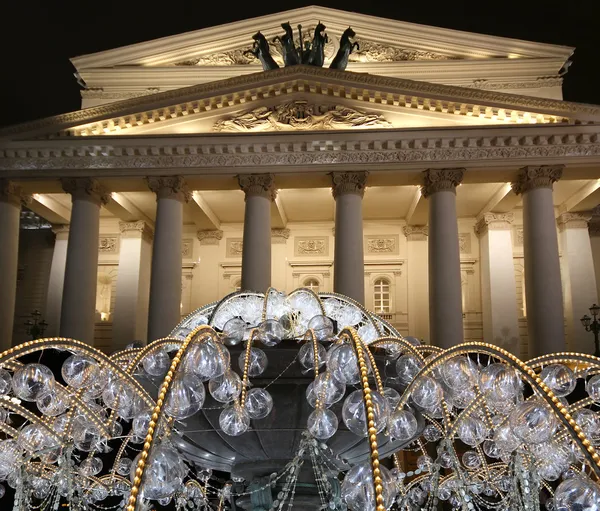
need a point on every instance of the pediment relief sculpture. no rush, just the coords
(300, 115)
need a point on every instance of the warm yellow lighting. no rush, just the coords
(513, 56)
(104, 316)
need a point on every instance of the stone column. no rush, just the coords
(165, 283)
(259, 193)
(499, 300)
(130, 319)
(77, 315)
(543, 286)
(10, 216)
(579, 278)
(445, 295)
(349, 259)
(279, 239)
(594, 231)
(57, 279)
(418, 281)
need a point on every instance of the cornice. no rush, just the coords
(183, 102)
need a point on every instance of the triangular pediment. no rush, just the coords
(305, 98)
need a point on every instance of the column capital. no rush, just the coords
(169, 187)
(494, 222)
(85, 188)
(416, 232)
(279, 236)
(209, 237)
(441, 180)
(61, 231)
(138, 229)
(261, 185)
(573, 221)
(349, 182)
(12, 193)
(541, 176)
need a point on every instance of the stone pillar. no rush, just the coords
(279, 239)
(594, 231)
(130, 319)
(10, 216)
(579, 279)
(445, 294)
(57, 279)
(164, 311)
(499, 300)
(418, 279)
(349, 259)
(259, 193)
(543, 286)
(77, 315)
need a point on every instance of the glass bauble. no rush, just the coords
(164, 473)
(306, 355)
(577, 494)
(431, 433)
(392, 397)
(460, 373)
(559, 378)
(186, 396)
(79, 371)
(86, 435)
(97, 386)
(259, 403)
(233, 331)
(32, 438)
(124, 466)
(499, 382)
(355, 417)
(343, 364)
(10, 455)
(402, 425)
(427, 393)
(589, 422)
(207, 360)
(156, 363)
(271, 332)
(5, 381)
(32, 382)
(53, 404)
(407, 367)
(358, 491)
(257, 364)
(593, 387)
(326, 389)
(140, 423)
(472, 431)
(234, 420)
(91, 466)
(533, 422)
(322, 327)
(471, 460)
(226, 387)
(322, 424)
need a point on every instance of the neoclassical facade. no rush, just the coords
(440, 180)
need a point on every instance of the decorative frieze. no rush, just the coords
(234, 247)
(441, 180)
(542, 176)
(573, 221)
(494, 222)
(138, 229)
(261, 185)
(169, 187)
(382, 244)
(416, 232)
(280, 236)
(210, 237)
(85, 188)
(518, 236)
(311, 246)
(108, 244)
(348, 182)
(187, 248)
(464, 242)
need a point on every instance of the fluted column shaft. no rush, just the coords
(57, 279)
(349, 260)
(77, 316)
(445, 294)
(164, 311)
(543, 286)
(10, 213)
(259, 190)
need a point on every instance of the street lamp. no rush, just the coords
(35, 327)
(591, 324)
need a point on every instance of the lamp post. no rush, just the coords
(35, 326)
(592, 324)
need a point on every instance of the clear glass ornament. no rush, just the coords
(325, 388)
(471, 460)
(233, 331)
(124, 466)
(392, 397)
(592, 387)
(97, 385)
(226, 387)
(10, 456)
(402, 425)
(234, 420)
(140, 423)
(460, 373)
(577, 494)
(358, 491)
(533, 422)
(32, 382)
(424, 462)
(446, 460)
(306, 355)
(86, 435)
(322, 424)
(79, 371)
(431, 433)
(559, 378)
(322, 327)
(207, 360)
(5, 381)
(271, 332)
(472, 431)
(407, 367)
(258, 362)
(32, 438)
(499, 382)
(53, 404)
(412, 340)
(164, 473)
(343, 364)
(354, 415)
(186, 396)
(157, 363)
(427, 393)
(589, 422)
(91, 466)
(259, 403)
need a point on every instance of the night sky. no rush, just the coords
(38, 37)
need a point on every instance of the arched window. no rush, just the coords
(312, 284)
(382, 301)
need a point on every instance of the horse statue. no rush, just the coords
(291, 56)
(260, 49)
(347, 46)
(315, 54)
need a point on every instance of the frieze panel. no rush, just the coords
(382, 244)
(518, 235)
(234, 247)
(187, 248)
(377, 52)
(311, 246)
(108, 244)
(464, 242)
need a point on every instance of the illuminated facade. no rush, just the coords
(440, 180)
